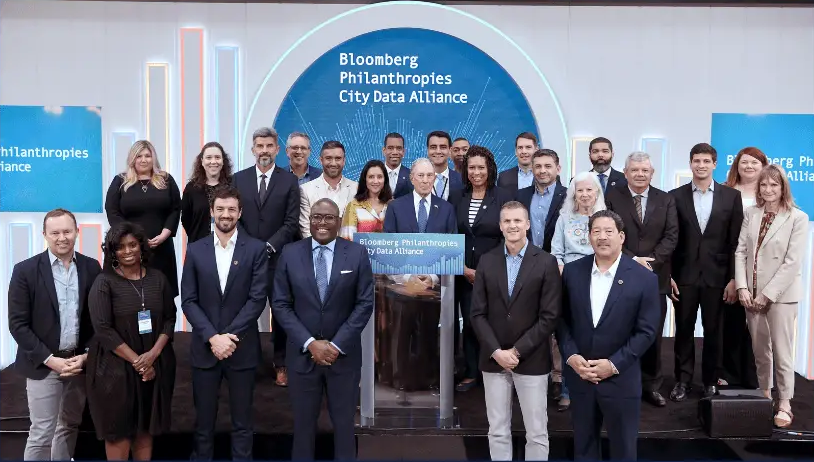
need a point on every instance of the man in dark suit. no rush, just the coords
(600, 151)
(651, 226)
(609, 318)
(709, 223)
(223, 292)
(515, 308)
(421, 211)
(49, 319)
(460, 146)
(298, 148)
(323, 297)
(271, 213)
(398, 176)
(544, 198)
(446, 180)
(521, 176)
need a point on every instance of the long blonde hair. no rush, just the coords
(130, 177)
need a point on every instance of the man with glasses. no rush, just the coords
(298, 148)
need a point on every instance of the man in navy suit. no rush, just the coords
(421, 211)
(446, 180)
(323, 298)
(398, 176)
(600, 151)
(223, 292)
(609, 319)
(271, 213)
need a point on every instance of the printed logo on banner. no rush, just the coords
(410, 81)
(786, 139)
(50, 157)
(403, 253)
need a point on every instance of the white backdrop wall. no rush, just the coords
(645, 77)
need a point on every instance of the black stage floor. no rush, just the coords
(671, 433)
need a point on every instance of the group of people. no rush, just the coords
(554, 276)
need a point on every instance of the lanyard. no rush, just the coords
(141, 284)
(443, 190)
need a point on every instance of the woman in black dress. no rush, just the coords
(131, 364)
(146, 195)
(212, 168)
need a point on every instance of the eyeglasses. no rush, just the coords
(299, 148)
(328, 219)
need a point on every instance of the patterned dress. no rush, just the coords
(360, 217)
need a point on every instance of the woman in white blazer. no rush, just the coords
(769, 281)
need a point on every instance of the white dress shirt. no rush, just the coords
(392, 176)
(601, 283)
(223, 258)
(633, 194)
(259, 174)
(416, 202)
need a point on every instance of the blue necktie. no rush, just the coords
(322, 273)
(603, 181)
(422, 216)
(514, 266)
(439, 186)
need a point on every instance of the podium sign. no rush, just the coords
(406, 253)
(407, 346)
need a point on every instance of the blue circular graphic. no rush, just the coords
(406, 80)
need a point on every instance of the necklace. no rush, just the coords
(144, 184)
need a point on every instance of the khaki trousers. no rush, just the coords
(773, 344)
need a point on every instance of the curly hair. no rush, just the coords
(199, 174)
(491, 166)
(113, 240)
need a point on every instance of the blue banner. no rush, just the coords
(406, 253)
(50, 156)
(786, 139)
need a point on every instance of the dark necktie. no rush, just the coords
(637, 199)
(262, 192)
(603, 181)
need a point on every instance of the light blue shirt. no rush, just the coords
(540, 205)
(702, 200)
(524, 179)
(571, 240)
(66, 282)
(329, 261)
(513, 263)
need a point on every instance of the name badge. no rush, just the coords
(145, 325)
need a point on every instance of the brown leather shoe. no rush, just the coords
(282, 377)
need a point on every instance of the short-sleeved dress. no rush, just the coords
(121, 404)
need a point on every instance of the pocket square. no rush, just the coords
(345, 271)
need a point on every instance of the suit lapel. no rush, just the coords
(269, 185)
(526, 268)
(212, 262)
(717, 203)
(630, 205)
(432, 214)
(489, 199)
(82, 279)
(778, 222)
(308, 266)
(412, 219)
(503, 281)
(340, 253)
(617, 286)
(556, 202)
(689, 207)
(652, 197)
(234, 265)
(47, 276)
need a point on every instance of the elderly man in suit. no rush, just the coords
(651, 223)
(398, 176)
(331, 185)
(271, 211)
(515, 308)
(49, 319)
(223, 292)
(323, 297)
(609, 318)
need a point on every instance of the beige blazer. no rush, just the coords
(779, 260)
(317, 189)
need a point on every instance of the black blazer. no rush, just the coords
(346, 311)
(656, 237)
(708, 258)
(33, 311)
(195, 212)
(616, 179)
(403, 186)
(525, 195)
(234, 310)
(507, 179)
(484, 235)
(626, 328)
(277, 221)
(527, 319)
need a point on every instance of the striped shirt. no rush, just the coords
(474, 206)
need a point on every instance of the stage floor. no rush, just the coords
(274, 422)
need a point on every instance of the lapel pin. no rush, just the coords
(234, 262)
(621, 282)
(613, 183)
(484, 207)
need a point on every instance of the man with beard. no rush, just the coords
(544, 198)
(651, 222)
(522, 176)
(271, 213)
(331, 185)
(601, 152)
(298, 148)
(459, 149)
(398, 176)
(223, 292)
